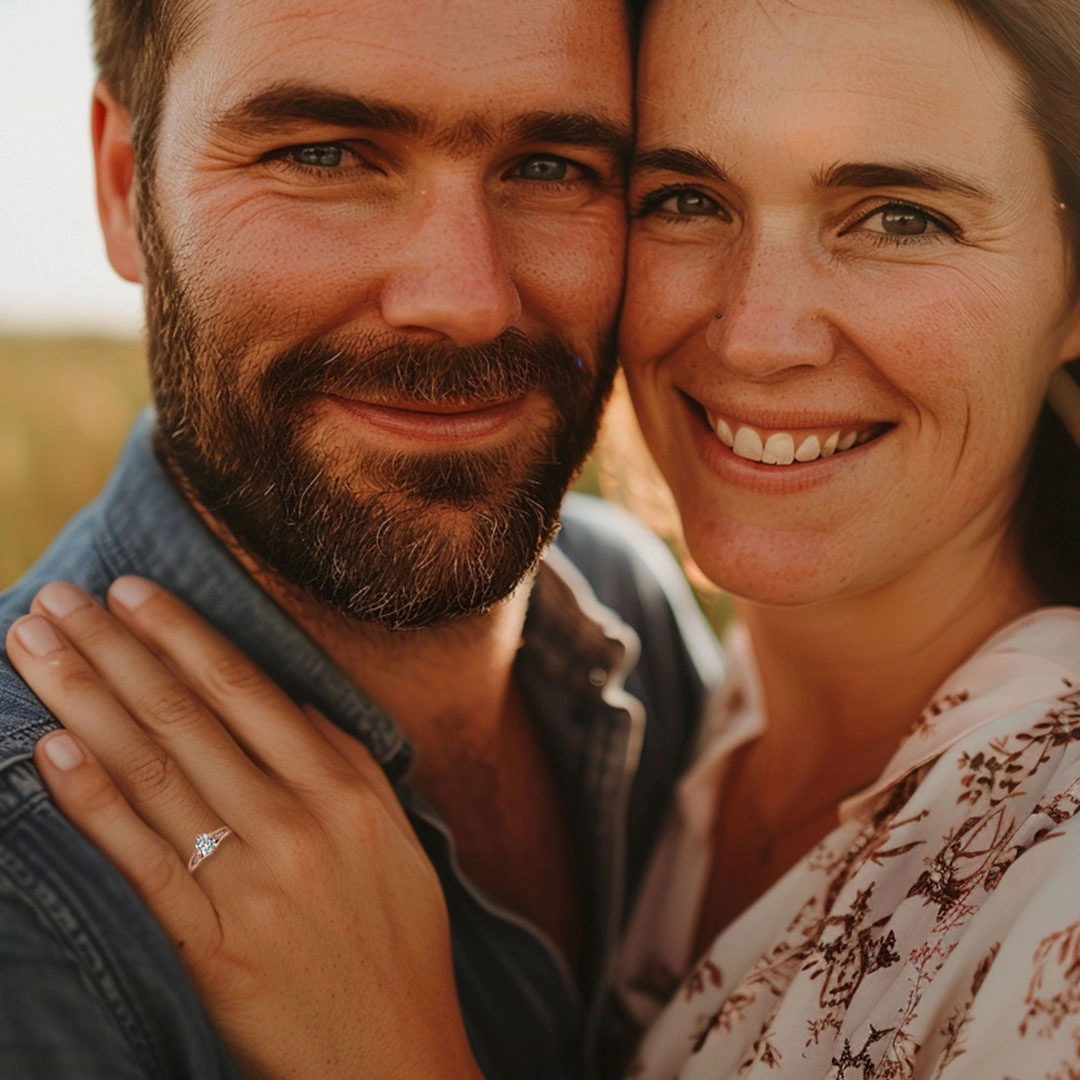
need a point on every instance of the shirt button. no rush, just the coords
(598, 677)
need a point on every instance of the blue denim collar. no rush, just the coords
(141, 524)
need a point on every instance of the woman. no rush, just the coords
(840, 262)
(852, 283)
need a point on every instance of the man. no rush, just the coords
(382, 251)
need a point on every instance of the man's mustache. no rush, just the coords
(504, 368)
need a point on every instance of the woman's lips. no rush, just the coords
(796, 446)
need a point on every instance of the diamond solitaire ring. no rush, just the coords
(206, 844)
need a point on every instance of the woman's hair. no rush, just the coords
(1043, 38)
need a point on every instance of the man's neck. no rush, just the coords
(455, 676)
(460, 669)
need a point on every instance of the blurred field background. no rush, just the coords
(65, 405)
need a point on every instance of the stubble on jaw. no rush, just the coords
(401, 541)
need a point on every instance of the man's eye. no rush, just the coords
(545, 167)
(899, 219)
(690, 203)
(318, 155)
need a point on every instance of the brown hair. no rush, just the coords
(135, 42)
(1043, 39)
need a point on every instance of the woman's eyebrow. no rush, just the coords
(914, 175)
(680, 160)
(701, 166)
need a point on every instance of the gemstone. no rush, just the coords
(205, 844)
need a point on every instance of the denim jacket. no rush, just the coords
(90, 987)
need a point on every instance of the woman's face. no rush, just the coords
(856, 192)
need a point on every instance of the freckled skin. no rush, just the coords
(952, 338)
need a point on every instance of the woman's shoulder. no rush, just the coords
(991, 772)
(990, 720)
(940, 919)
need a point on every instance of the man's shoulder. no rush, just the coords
(73, 556)
(85, 973)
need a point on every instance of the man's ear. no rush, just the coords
(114, 168)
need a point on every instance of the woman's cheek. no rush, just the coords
(667, 298)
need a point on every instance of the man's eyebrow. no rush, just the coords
(875, 174)
(680, 160)
(284, 105)
(577, 129)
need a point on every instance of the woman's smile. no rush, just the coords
(801, 445)
(839, 291)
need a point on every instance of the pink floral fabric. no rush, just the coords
(933, 935)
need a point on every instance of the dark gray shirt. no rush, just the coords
(89, 986)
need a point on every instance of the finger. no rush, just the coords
(74, 693)
(361, 759)
(90, 799)
(256, 711)
(181, 728)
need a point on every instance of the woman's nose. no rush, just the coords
(771, 310)
(449, 275)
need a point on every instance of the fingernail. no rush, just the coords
(61, 599)
(131, 592)
(63, 751)
(37, 636)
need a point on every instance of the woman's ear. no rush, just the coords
(114, 168)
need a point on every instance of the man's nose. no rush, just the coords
(772, 303)
(449, 274)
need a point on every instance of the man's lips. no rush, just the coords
(425, 421)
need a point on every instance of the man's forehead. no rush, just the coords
(464, 73)
(448, 38)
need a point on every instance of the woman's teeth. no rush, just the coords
(780, 447)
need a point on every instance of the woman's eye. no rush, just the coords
(545, 167)
(690, 204)
(899, 219)
(318, 155)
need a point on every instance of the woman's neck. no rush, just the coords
(845, 680)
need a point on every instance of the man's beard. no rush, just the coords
(421, 538)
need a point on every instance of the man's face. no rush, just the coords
(383, 255)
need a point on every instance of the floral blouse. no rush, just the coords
(935, 933)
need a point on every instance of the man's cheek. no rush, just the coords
(573, 266)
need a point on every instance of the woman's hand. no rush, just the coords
(321, 902)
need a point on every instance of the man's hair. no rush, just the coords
(135, 42)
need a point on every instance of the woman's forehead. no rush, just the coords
(893, 70)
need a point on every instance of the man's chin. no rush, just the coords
(395, 560)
